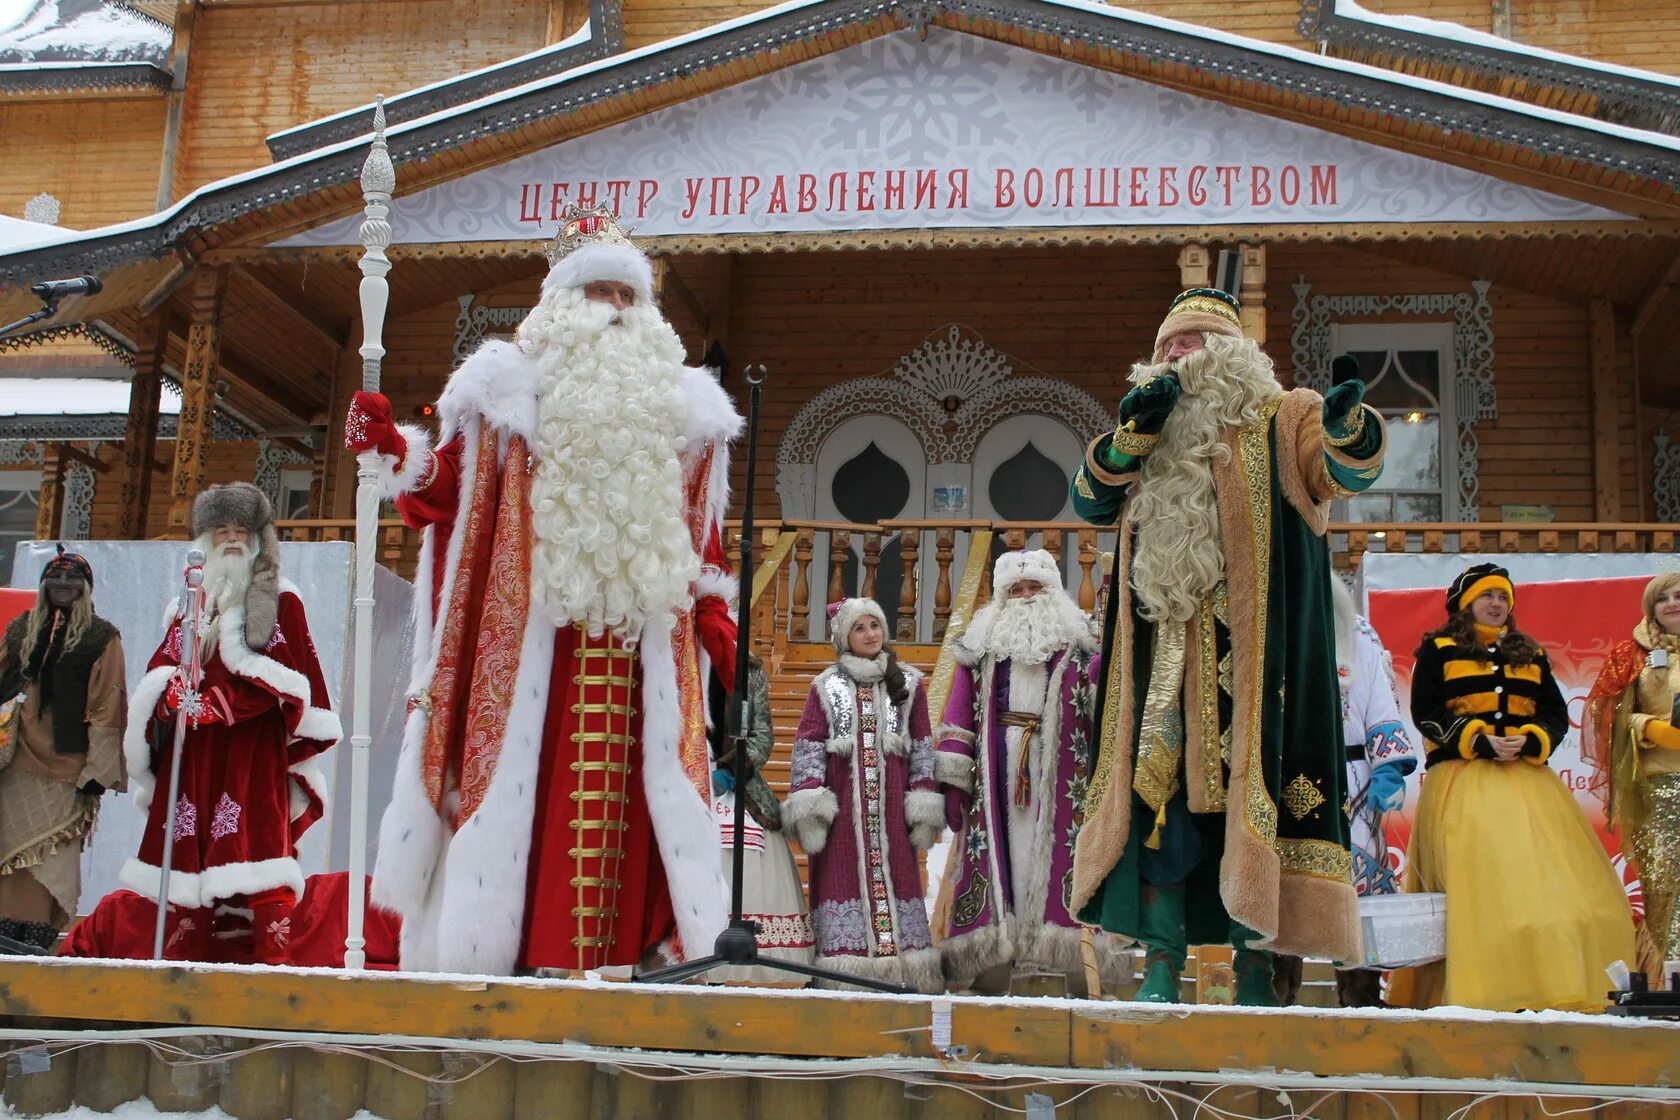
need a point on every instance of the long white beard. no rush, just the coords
(1031, 631)
(227, 574)
(1178, 557)
(613, 549)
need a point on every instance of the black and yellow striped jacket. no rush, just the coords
(1461, 695)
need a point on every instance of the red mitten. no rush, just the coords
(372, 426)
(717, 636)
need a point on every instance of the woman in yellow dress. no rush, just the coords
(1634, 748)
(1535, 912)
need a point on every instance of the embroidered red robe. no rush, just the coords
(552, 802)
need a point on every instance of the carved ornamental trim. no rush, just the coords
(1475, 396)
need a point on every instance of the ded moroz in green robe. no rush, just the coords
(1259, 715)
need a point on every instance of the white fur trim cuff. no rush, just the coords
(417, 463)
(924, 812)
(213, 883)
(954, 770)
(714, 581)
(809, 813)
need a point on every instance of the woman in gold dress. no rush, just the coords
(1634, 749)
(1535, 912)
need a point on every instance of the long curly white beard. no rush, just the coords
(613, 549)
(1031, 631)
(1178, 556)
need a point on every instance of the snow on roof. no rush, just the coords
(17, 233)
(73, 396)
(38, 31)
(1442, 29)
(1095, 7)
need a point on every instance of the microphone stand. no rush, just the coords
(48, 310)
(190, 672)
(738, 943)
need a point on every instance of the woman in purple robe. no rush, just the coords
(863, 802)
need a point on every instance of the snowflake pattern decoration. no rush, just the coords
(924, 104)
(186, 819)
(225, 820)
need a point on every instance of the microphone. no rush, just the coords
(51, 291)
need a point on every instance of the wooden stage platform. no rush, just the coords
(271, 1043)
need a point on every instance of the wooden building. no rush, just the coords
(946, 227)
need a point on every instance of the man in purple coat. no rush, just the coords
(1012, 756)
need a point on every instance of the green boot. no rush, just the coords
(1254, 978)
(1160, 978)
(1161, 918)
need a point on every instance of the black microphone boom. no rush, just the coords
(54, 290)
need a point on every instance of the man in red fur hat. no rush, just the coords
(552, 805)
(250, 784)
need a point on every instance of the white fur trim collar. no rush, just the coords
(864, 670)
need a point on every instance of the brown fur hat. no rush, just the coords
(240, 503)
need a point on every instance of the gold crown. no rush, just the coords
(580, 226)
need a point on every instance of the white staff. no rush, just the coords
(379, 180)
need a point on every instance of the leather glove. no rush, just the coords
(1387, 791)
(371, 425)
(1344, 420)
(92, 788)
(1147, 406)
(1662, 733)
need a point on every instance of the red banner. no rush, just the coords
(14, 603)
(1577, 621)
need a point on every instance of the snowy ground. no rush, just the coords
(142, 1110)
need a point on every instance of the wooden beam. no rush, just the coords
(140, 437)
(49, 515)
(1253, 294)
(324, 332)
(1606, 409)
(77, 455)
(1663, 294)
(1194, 268)
(179, 273)
(198, 395)
(667, 281)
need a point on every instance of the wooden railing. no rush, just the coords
(803, 565)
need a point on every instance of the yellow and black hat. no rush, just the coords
(1475, 580)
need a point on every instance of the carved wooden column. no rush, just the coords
(1253, 294)
(1606, 410)
(49, 515)
(140, 438)
(198, 396)
(1193, 266)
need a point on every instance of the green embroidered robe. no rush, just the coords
(1261, 715)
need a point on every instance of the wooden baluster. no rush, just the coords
(944, 549)
(1358, 540)
(1434, 540)
(1470, 540)
(1548, 540)
(1053, 545)
(839, 548)
(1510, 540)
(1662, 540)
(1087, 562)
(1626, 540)
(1015, 539)
(803, 545)
(909, 542)
(871, 561)
(1586, 541)
(1396, 540)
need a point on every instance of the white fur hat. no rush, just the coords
(843, 615)
(1013, 567)
(603, 260)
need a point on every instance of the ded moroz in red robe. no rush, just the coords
(250, 783)
(551, 807)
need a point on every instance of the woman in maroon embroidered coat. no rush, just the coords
(863, 802)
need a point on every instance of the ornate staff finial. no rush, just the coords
(379, 182)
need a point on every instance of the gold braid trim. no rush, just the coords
(1128, 441)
